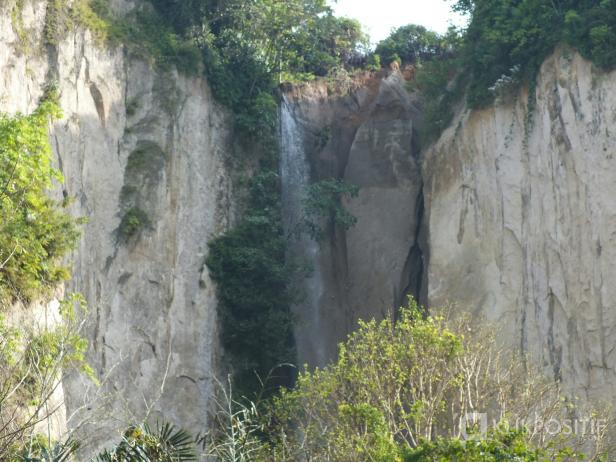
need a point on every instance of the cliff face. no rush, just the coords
(518, 224)
(152, 146)
(510, 215)
(366, 138)
(521, 220)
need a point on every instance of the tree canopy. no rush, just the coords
(515, 36)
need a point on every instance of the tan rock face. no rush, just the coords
(521, 221)
(519, 216)
(365, 138)
(133, 138)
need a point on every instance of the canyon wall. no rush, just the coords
(364, 135)
(521, 213)
(510, 215)
(145, 154)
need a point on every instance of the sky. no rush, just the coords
(379, 17)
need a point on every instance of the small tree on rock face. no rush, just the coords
(323, 204)
(34, 355)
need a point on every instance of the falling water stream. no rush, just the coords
(295, 177)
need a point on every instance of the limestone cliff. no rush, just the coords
(521, 219)
(518, 216)
(509, 214)
(136, 143)
(366, 137)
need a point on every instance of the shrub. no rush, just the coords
(133, 221)
(323, 203)
(406, 384)
(36, 231)
(499, 445)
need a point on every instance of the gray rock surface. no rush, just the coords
(522, 221)
(133, 138)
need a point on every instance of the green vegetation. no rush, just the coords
(396, 394)
(411, 44)
(40, 449)
(323, 206)
(248, 48)
(498, 445)
(248, 265)
(437, 61)
(143, 444)
(505, 44)
(36, 231)
(133, 221)
(506, 35)
(143, 171)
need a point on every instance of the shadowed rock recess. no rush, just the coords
(511, 214)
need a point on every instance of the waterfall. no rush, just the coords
(295, 177)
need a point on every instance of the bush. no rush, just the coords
(401, 387)
(323, 204)
(248, 265)
(501, 444)
(36, 232)
(133, 221)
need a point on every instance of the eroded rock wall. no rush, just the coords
(519, 222)
(154, 144)
(521, 212)
(365, 137)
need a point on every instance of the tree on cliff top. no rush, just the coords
(507, 34)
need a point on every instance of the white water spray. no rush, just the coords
(295, 177)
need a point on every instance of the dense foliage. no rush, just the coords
(507, 37)
(411, 44)
(248, 264)
(398, 392)
(35, 230)
(500, 444)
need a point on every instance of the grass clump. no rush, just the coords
(133, 221)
